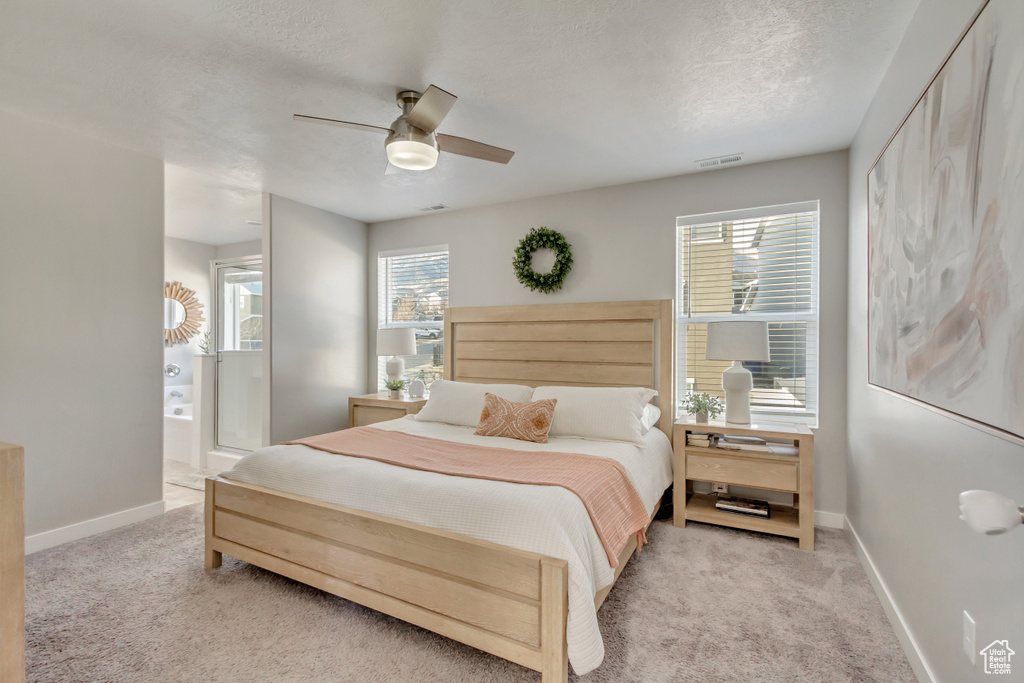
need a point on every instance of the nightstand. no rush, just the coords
(370, 408)
(791, 469)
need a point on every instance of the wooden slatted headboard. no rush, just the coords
(608, 344)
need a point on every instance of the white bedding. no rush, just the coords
(548, 520)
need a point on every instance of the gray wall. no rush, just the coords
(907, 463)
(624, 248)
(316, 261)
(81, 289)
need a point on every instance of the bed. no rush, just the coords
(512, 603)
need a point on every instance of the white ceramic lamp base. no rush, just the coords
(737, 382)
(395, 368)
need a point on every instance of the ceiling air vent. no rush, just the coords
(435, 207)
(719, 161)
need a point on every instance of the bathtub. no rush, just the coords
(178, 424)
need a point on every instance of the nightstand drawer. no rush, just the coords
(742, 471)
(368, 415)
(372, 408)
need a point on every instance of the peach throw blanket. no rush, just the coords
(602, 484)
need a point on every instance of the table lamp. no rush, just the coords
(395, 342)
(737, 341)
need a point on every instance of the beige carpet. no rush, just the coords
(699, 604)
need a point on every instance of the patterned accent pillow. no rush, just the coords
(524, 421)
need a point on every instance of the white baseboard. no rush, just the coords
(829, 520)
(221, 460)
(73, 532)
(899, 625)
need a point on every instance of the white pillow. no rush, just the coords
(600, 413)
(460, 403)
(652, 414)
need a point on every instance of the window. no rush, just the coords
(242, 308)
(412, 291)
(759, 264)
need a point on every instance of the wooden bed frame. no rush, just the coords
(509, 602)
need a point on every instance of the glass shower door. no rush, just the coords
(240, 356)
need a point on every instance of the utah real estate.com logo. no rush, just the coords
(997, 657)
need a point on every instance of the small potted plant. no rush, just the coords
(394, 387)
(205, 343)
(702, 405)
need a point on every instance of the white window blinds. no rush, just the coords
(412, 291)
(752, 265)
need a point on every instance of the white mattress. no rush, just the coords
(548, 520)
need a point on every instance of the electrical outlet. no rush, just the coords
(720, 488)
(970, 645)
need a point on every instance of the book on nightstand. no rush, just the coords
(739, 439)
(743, 506)
(699, 439)
(771, 448)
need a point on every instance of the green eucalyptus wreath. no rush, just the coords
(542, 238)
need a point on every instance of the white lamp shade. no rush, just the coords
(737, 340)
(411, 155)
(398, 341)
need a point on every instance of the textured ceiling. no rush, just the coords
(587, 92)
(203, 208)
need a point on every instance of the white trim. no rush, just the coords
(73, 532)
(747, 214)
(252, 259)
(222, 460)
(899, 624)
(267, 383)
(765, 414)
(412, 250)
(829, 520)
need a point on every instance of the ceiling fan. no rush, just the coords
(412, 141)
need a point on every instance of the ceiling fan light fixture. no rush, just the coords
(412, 141)
(412, 155)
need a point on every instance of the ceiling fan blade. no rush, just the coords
(471, 148)
(431, 108)
(343, 124)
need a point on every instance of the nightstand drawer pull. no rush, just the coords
(781, 476)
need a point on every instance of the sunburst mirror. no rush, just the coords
(182, 313)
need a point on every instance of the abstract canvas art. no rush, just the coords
(946, 234)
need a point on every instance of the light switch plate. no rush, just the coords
(970, 644)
